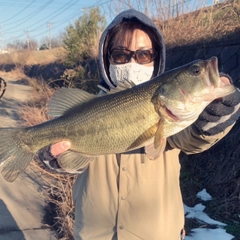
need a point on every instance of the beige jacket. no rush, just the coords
(129, 197)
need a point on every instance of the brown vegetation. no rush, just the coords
(26, 57)
(218, 22)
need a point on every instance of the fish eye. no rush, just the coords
(195, 70)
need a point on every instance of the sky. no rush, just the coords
(39, 20)
(34, 19)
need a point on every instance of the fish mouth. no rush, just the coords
(212, 66)
(214, 74)
(171, 115)
(213, 61)
(166, 112)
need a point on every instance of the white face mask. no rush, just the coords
(134, 72)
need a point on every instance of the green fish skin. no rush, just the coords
(128, 118)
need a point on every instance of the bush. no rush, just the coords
(81, 39)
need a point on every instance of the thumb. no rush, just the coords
(59, 148)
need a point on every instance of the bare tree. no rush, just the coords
(157, 9)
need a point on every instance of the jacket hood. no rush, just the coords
(129, 14)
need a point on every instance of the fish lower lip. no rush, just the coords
(170, 114)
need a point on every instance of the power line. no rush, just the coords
(54, 16)
(50, 18)
(30, 16)
(63, 8)
(15, 15)
(63, 21)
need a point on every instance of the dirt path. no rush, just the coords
(15, 95)
(21, 202)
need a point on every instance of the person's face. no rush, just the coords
(139, 41)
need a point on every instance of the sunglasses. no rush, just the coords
(121, 56)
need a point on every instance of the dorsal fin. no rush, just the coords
(120, 87)
(65, 99)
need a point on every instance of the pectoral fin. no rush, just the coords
(71, 161)
(157, 147)
(159, 134)
(153, 152)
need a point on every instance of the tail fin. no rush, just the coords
(14, 154)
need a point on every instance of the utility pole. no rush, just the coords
(28, 39)
(49, 24)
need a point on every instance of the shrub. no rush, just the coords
(81, 39)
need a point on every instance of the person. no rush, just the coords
(128, 196)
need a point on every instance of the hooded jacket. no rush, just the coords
(102, 56)
(128, 196)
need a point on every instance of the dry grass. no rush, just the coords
(204, 25)
(25, 58)
(60, 197)
(57, 189)
(34, 112)
(16, 73)
(60, 207)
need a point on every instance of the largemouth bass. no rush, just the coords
(143, 115)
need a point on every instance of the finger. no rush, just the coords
(232, 99)
(225, 80)
(59, 148)
(217, 108)
(205, 117)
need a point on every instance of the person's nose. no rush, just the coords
(132, 59)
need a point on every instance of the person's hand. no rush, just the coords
(49, 154)
(59, 148)
(219, 114)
